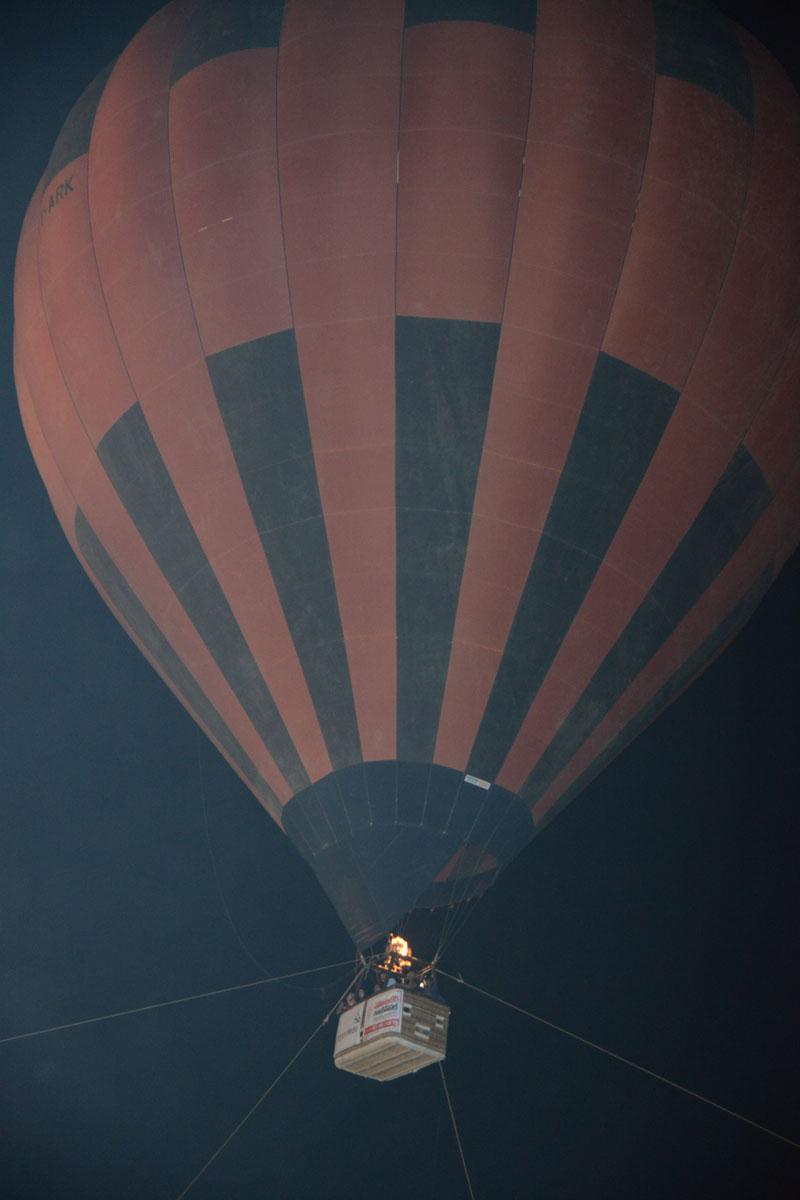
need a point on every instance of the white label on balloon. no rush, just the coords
(481, 783)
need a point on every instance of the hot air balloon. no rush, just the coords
(417, 384)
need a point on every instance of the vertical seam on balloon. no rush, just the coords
(365, 777)
(344, 807)
(464, 842)
(348, 833)
(724, 279)
(323, 809)
(57, 361)
(426, 797)
(602, 337)
(401, 88)
(394, 383)
(397, 511)
(291, 314)
(89, 161)
(347, 845)
(524, 164)
(98, 272)
(56, 357)
(29, 416)
(742, 213)
(734, 247)
(334, 587)
(356, 861)
(174, 212)
(642, 177)
(397, 183)
(278, 181)
(533, 41)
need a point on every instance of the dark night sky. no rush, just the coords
(657, 915)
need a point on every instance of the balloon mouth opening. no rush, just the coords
(379, 853)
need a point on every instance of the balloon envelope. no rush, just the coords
(417, 383)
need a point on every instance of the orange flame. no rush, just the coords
(399, 946)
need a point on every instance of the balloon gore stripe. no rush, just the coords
(622, 421)
(136, 469)
(731, 511)
(261, 399)
(444, 382)
(694, 665)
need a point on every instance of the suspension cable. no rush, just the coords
(129, 1012)
(455, 1131)
(454, 924)
(627, 1061)
(273, 1085)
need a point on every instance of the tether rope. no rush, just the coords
(129, 1012)
(627, 1061)
(273, 1085)
(455, 1131)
